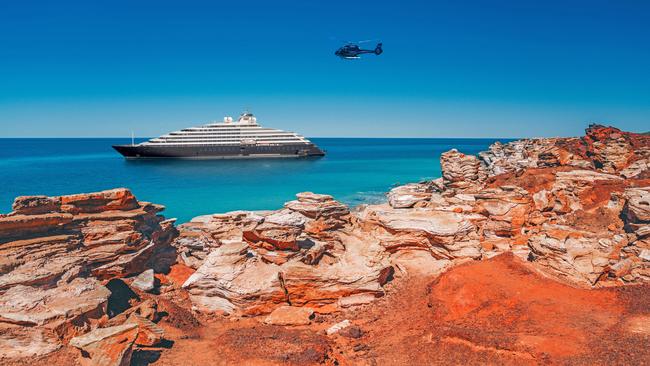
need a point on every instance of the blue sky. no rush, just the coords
(450, 68)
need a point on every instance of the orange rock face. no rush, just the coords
(107, 346)
(55, 251)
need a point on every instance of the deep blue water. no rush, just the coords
(354, 170)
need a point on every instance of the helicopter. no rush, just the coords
(351, 51)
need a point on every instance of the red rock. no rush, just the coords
(116, 199)
(149, 333)
(461, 171)
(107, 346)
(52, 257)
(34, 205)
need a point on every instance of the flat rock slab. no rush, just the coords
(290, 315)
(36, 306)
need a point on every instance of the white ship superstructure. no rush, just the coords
(245, 131)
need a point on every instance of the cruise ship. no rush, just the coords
(229, 139)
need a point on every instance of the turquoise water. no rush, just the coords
(355, 171)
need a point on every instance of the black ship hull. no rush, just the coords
(219, 151)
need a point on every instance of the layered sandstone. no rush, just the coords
(58, 251)
(557, 202)
(303, 255)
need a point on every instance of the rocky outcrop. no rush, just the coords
(545, 200)
(57, 251)
(636, 213)
(461, 171)
(610, 149)
(533, 153)
(107, 346)
(102, 235)
(602, 148)
(556, 202)
(302, 255)
(205, 233)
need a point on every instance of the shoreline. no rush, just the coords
(495, 260)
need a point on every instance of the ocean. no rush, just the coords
(355, 171)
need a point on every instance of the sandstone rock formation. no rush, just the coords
(145, 281)
(546, 200)
(302, 255)
(410, 195)
(55, 251)
(107, 346)
(460, 170)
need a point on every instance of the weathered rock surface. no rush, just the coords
(410, 195)
(103, 234)
(205, 233)
(34, 306)
(107, 346)
(145, 281)
(461, 171)
(55, 251)
(300, 255)
(604, 148)
(149, 333)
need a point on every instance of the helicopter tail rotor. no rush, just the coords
(378, 49)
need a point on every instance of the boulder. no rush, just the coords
(410, 195)
(149, 333)
(111, 346)
(235, 278)
(205, 233)
(581, 257)
(230, 280)
(445, 234)
(145, 281)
